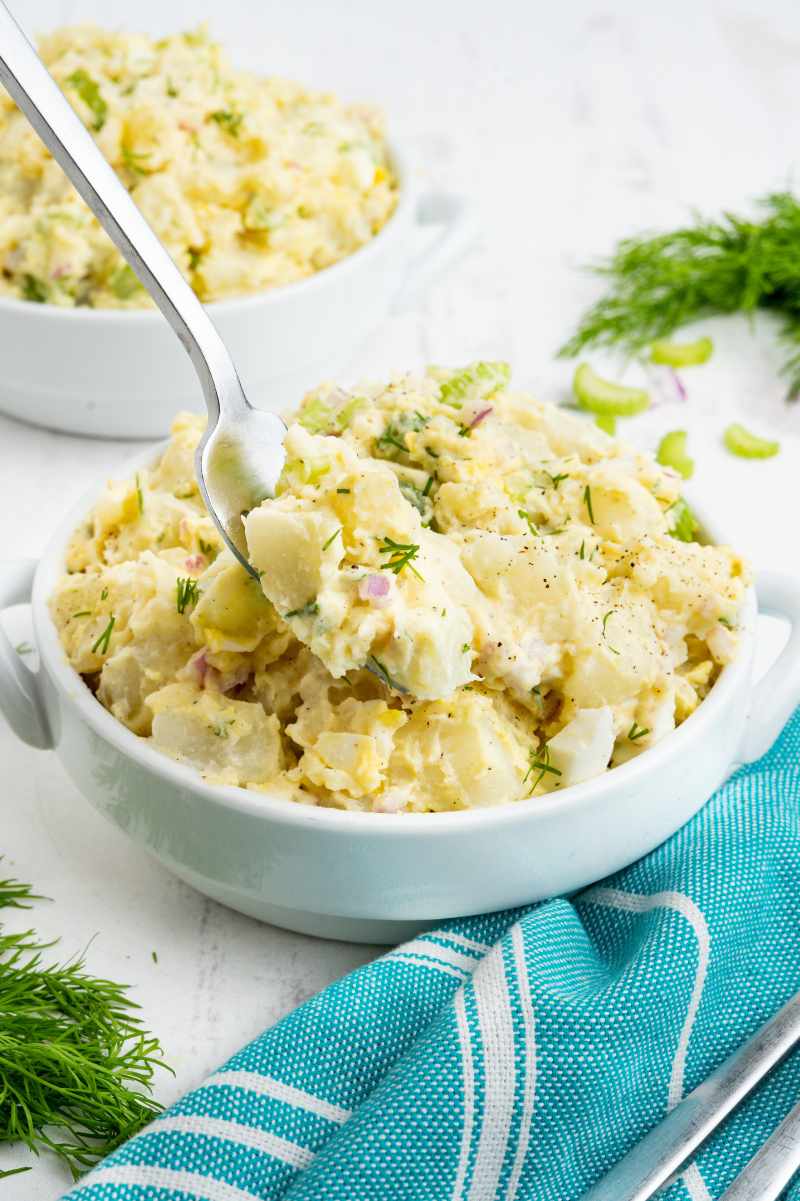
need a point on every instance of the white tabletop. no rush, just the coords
(570, 124)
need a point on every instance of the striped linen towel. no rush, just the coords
(517, 1054)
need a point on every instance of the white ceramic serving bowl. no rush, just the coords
(123, 374)
(380, 877)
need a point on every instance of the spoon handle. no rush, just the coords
(40, 99)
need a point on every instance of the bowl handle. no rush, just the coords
(457, 215)
(20, 699)
(776, 695)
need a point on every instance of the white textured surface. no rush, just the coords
(571, 125)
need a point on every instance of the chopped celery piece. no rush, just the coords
(672, 453)
(479, 379)
(89, 92)
(124, 283)
(607, 422)
(741, 442)
(684, 523)
(604, 398)
(681, 354)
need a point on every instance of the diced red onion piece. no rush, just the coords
(373, 585)
(201, 667)
(477, 420)
(679, 385)
(195, 562)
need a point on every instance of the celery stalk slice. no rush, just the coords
(672, 453)
(681, 354)
(741, 442)
(604, 398)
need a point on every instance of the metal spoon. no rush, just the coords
(241, 455)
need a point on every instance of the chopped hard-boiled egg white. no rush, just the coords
(249, 182)
(465, 597)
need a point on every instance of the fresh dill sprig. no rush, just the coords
(187, 593)
(660, 282)
(401, 554)
(375, 665)
(100, 647)
(75, 1063)
(606, 616)
(587, 500)
(526, 517)
(539, 761)
(310, 609)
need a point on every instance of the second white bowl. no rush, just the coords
(123, 374)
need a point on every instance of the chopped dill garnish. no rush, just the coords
(101, 645)
(186, 593)
(82, 613)
(24, 648)
(206, 548)
(401, 554)
(394, 435)
(311, 609)
(139, 495)
(637, 732)
(428, 486)
(104, 594)
(228, 120)
(381, 671)
(724, 621)
(76, 1063)
(587, 500)
(154, 956)
(433, 453)
(34, 289)
(135, 162)
(581, 553)
(555, 480)
(466, 648)
(526, 517)
(332, 538)
(343, 491)
(613, 649)
(540, 762)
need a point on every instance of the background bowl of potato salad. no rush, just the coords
(560, 660)
(293, 217)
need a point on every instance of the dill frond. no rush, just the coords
(659, 282)
(75, 1064)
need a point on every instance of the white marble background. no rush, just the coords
(570, 125)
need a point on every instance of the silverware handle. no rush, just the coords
(771, 1168)
(41, 100)
(668, 1146)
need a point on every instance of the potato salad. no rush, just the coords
(465, 597)
(249, 182)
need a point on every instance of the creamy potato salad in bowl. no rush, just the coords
(488, 655)
(266, 193)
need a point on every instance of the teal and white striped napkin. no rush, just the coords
(518, 1054)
